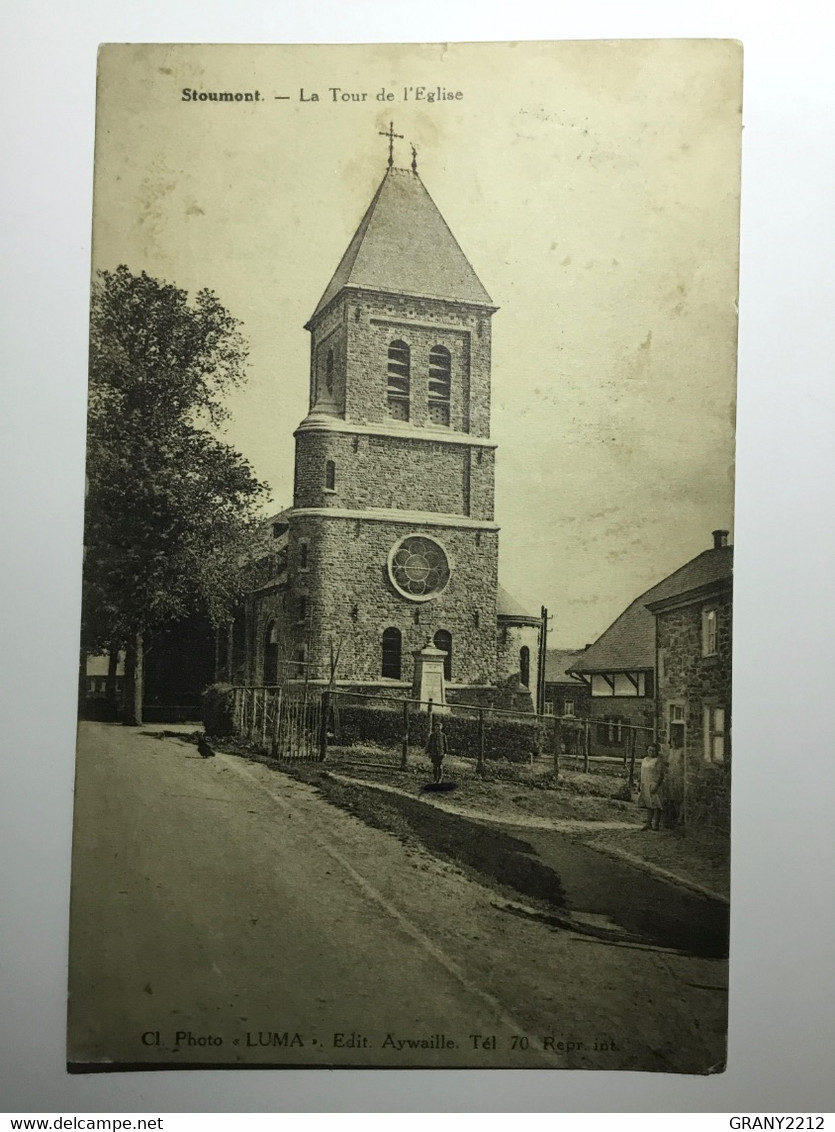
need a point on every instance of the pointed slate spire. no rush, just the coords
(404, 247)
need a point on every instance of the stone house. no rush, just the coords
(620, 668)
(693, 642)
(566, 696)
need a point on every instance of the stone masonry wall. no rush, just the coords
(686, 674)
(510, 641)
(373, 321)
(351, 598)
(636, 710)
(330, 334)
(396, 472)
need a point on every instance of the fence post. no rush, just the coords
(557, 743)
(276, 724)
(251, 727)
(480, 764)
(404, 754)
(323, 728)
(264, 720)
(633, 742)
(586, 743)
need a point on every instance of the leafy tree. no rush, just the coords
(169, 504)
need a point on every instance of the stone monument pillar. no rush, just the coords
(429, 683)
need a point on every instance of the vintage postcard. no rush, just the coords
(405, 691)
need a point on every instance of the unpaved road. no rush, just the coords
(224, 913)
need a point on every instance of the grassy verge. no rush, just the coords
(508, 791)
(509, 863)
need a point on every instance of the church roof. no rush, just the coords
(629, 642)
(404, 247)
(507, 606)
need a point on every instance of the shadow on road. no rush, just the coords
(490, 852)
(547, 867)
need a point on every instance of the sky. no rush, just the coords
(593, 186)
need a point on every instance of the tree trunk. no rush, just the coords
(134, 681)
(110, 687)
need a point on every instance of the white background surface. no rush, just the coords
(782, 1008)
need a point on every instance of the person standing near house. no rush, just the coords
(651, 795)
(674, 784)
(437, 748)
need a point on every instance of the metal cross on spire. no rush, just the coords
(414, 160)
(391, 135)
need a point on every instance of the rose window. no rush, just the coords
(418, 567)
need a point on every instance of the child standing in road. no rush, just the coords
(436, 750)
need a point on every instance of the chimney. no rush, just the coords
(720, 539)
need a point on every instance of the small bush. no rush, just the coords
(219, 710)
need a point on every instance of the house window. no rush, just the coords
(714, 734)
(392, 644)
(709, 632)
(621, 684)
(303, 556)
(301, 660)
(610, 732)
(302, 608)
(330, 475)
(549, 707)
(440, 371)
(525, 665)
(329, 371)
(398, 381)
(678, 726)
(568, 707)
(443, 641)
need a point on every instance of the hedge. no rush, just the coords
(504, 737)
(219, 710)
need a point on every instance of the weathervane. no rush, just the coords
(391, 135)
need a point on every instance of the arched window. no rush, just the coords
(398, 381)
(443, 641)
(525, 665)
(440, 373)
(392, 644)
(329, 371)
(330, 475)
(271, 653)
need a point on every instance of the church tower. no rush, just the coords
(391, 540)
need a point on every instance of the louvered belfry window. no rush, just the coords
(398, 381)
(440, 375)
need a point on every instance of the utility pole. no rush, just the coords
(543, 647)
